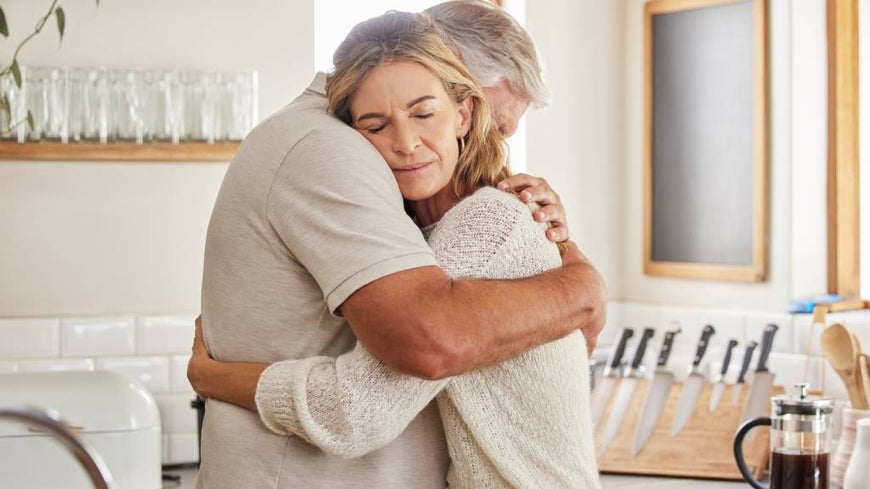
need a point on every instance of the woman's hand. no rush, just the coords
(233, 382)
(200, 362)
(536, 189)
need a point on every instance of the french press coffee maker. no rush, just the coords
(800, 442)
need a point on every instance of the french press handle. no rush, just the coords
(738, 450)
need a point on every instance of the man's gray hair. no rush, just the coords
(493, 46)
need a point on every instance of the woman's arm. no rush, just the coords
(347, 406)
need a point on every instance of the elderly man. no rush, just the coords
(309, 224)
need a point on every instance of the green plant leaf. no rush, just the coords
(7, 111)
(61, 21)
(29, 120)
(98, 3)
(16, 72)
(4, 29)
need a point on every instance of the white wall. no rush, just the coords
(97, 238)
(102, 238)
(578, 142)
(797, 159)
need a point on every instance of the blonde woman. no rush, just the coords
(523, 423)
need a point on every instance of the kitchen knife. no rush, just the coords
(632, 373)
(693, 385)
(762, 379)
(741, 379)
(604, 389)
(656, 395)
(719, 383)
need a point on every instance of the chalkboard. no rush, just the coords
(705, 175)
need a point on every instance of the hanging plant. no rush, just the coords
(14, 70)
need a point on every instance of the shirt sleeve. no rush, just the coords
(338, 210)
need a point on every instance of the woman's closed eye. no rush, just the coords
(424, 116)
(375, 130)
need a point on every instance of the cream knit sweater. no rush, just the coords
(521, 424)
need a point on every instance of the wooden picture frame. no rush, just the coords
(674, 245)
(843, 187)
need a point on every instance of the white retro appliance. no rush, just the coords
(115, 415)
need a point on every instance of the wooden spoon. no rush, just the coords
(864, 361)
(841, 351)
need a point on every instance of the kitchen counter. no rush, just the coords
(608, 481)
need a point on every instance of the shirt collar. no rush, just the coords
(318, 85)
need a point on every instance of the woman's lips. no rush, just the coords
(413, 169)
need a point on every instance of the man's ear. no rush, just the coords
(457, 52)
(466, 113)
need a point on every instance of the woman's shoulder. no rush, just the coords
(488, 208)
(492, 200)
(491, 210)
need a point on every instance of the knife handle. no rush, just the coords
(725, 363)
(665, 352)
(616, 356)
(766, 346)
(702, 344)
(641, 347)
(747, 359)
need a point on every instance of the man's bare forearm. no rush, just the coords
(421, 323)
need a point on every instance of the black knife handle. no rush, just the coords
(702, 344)
(641, 347)
(616, 356)
(747, 359)
(725, 363)
(665, 352)
(766, 346)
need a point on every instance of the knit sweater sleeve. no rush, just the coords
(347, 406)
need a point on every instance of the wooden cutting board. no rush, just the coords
(702, 449)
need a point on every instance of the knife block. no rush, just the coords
(702, 449)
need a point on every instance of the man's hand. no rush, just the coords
(595, 296)
(535, 189)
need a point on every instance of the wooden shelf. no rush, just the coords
(119, 151)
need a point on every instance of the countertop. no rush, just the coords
(188, 481)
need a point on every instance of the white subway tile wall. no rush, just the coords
(794, 358)
(152, 372)
(153, 350)
(83, 337)
(150, 349)
(164, 334)
(57, 365)
(29, 338)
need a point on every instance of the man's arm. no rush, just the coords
(422, 323)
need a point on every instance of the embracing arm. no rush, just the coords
(347, 406)
(421, 322)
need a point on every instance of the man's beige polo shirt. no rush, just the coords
(308, 213)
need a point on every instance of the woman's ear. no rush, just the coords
(466, 112)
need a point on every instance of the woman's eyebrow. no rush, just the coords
(418, 100)
(376, 115)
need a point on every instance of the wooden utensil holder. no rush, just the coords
(702, 449)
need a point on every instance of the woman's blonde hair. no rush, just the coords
(412, 37)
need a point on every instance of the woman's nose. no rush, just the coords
(406, 139)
